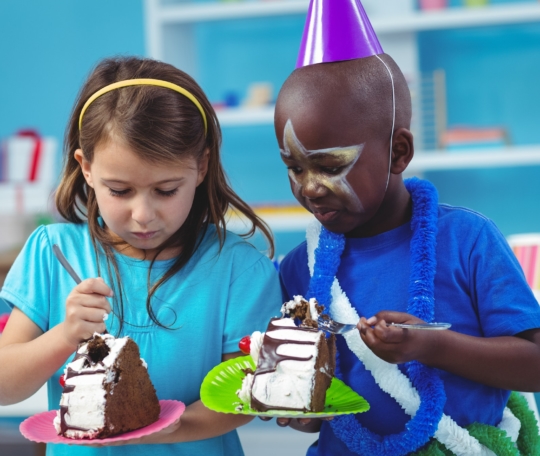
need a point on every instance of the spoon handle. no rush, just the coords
(58, 253)
(429, 326)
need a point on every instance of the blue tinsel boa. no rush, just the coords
(420, 304)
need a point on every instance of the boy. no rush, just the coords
(387, 252)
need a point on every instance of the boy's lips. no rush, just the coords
(325, 215)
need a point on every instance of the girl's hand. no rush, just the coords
(396, 345)
(86, 307)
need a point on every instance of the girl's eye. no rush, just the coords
(118, 192)
(294, 169)
(166, 192)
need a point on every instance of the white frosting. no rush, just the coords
(313, 310)
(292, 304)
(255, 345)
(86, 403)
(298, 300)
(244, 393)
(290, 385)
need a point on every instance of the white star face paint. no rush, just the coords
(315, 173)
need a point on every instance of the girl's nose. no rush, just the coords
(143, 211)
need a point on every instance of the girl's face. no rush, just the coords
(141, 203)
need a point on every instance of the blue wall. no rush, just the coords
(47, 48)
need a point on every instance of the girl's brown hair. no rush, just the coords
(160, 126)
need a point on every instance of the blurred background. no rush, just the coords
(472, 66)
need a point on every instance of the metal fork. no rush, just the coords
(335, 327)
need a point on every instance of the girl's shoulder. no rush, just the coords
(75, 234)
(235, 252)
(232, 243)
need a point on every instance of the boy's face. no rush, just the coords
(337, 170)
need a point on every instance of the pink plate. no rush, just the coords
(40, 428)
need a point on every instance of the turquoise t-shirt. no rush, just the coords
(215, 300)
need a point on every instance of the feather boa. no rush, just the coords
(421, 395)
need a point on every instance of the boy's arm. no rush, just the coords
(508, 362)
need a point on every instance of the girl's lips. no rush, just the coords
(146, 235)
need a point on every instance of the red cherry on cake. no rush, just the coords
(244, 344)
(62, 381)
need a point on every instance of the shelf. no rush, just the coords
(417, 21)
(475, 158)
(239, 117)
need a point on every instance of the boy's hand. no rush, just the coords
(86, 307)
(395, 345)
(300, 424)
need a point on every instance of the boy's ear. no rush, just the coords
(203, 166)
(402, 150)
(85, 166)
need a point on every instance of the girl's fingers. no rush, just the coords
(90, 314)
(97, 286)
(76, 300)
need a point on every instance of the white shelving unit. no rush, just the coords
(415, 21)
(170, 38)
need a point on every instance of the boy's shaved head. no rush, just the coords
(333, 124)
(349, 95)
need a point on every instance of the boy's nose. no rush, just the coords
(313, 189)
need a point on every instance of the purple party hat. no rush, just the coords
(337, 30)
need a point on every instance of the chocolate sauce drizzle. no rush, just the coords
(71, 373)
(269, 358)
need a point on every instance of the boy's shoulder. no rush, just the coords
(457, 219)
(447, 211)
(296, 258)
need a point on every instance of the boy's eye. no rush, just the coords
(114, 192)
(166, 192)
(295, 169)
(332, 171)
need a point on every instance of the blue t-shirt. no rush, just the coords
(479, 288)
(214, 301)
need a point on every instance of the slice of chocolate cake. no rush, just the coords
(107, 390)
(295, 364)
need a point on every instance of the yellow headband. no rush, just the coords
(154, 82)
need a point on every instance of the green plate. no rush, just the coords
(218, 393)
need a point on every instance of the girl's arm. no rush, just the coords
(34, 356)
(196, 423)
(509, 362)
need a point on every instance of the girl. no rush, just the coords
(145, 197)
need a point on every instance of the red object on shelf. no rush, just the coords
(433, 4)
(3, 321)
(36, 154)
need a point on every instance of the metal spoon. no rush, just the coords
(58, 254)
(335, 327)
